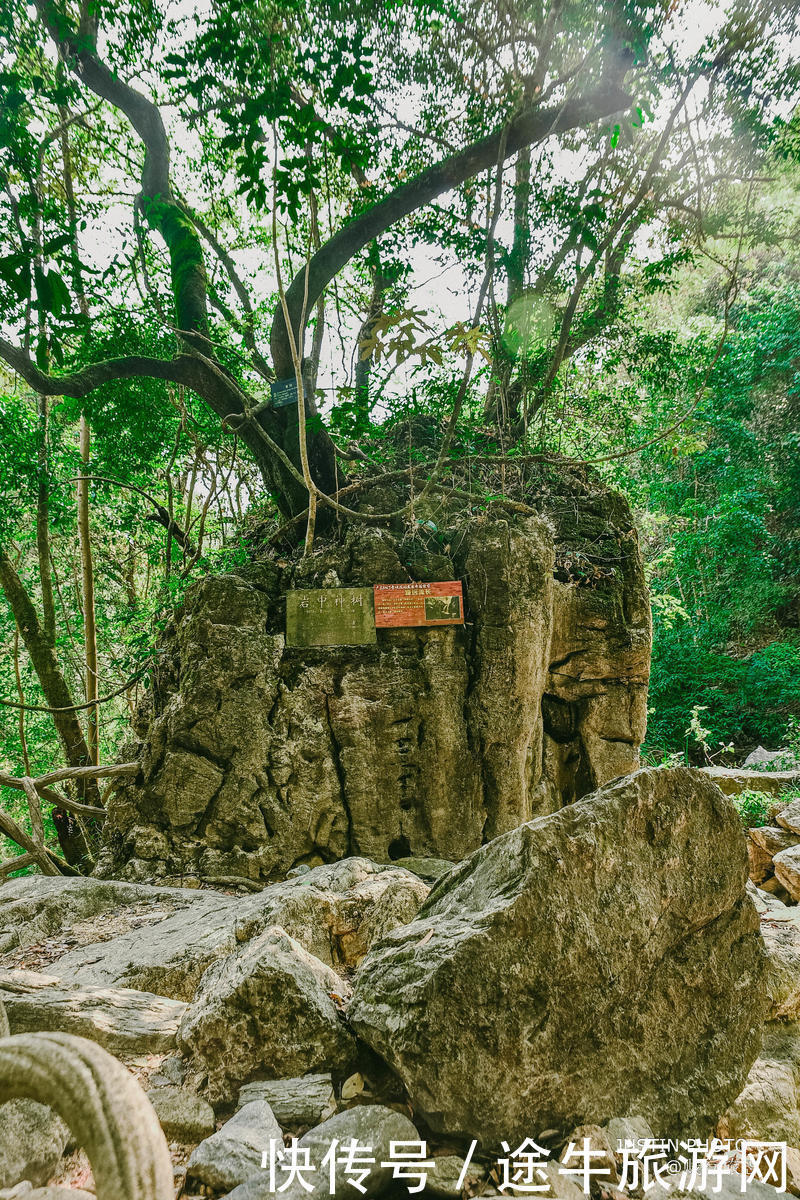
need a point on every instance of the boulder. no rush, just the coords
(597, 960)
(787, 870)
(789, 817)
(338, 910)
(36, 907)
(733, 780)
(184, 1116)
(233, 1154)
(121, 1020)
(268, 1009)
(335, 911)
(32, 1142)
(772, 838)
(258, 756)
(780, 929)
(426, 868)
(372, 1126)
(304, 1101)
(768, 1107)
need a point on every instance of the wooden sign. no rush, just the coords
(330, 617)
(418, 604)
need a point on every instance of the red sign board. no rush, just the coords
(418, 604)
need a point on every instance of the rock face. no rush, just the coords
(121, 1020)
(33, 1140)
(334, 911)
(267, 1009)
(256, 757)
(232, 1155)
(599, 961)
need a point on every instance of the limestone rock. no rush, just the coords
(338, 910)
(620, 1130)
(184, 1116)
(767, 1108)
(335, 911)
(257, 757)
(267, 1009)
(232, 1155)
(443, 1180)
(573, 968)
(787, 870)
(789, 817)
(773, 838)
(426, 868)
(370, 1125)
(759, 860)
(36, 907)
(121, 1020)
(303, 1101)
(780, 929)
(733, 780)
(33, 1140)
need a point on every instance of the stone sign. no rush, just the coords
(330, 617)
(418, 604)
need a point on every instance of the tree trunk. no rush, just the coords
(57, 696)
(87, 574)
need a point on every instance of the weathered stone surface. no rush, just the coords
(184, 1116)
(33, 1140)
(334, 911)
(768, 1106)
(303, 1101)
(370, 1125)
(35, 907)
(443, 1179)
(232, 1155)
(782, 759)
(595, 960)
(789, 818)
(256, 757)
(780, 929)
(733, 780)
(121, 1020)
(773, 839)
(787, 870)
(267, 1009)
(426, 868)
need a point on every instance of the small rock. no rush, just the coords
(305, 1100)
(562, 1187)
(233, 1154)
(33, 1141)
(172, 1070)
(759, 756)
(184, 1116)
(773, 838)
(443, 1179)
(620, 1130)
(789, 817)
(787, 870)
(371, 1125)
(266, 1009)
(602, 1146)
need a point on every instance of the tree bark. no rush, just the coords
(87, 576)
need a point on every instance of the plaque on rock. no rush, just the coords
(399, 604)
(330, 617)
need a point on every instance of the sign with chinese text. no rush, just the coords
(284, 392)
(330, 617)
(399, 604)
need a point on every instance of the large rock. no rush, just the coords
(768, 1107)
(787, 870)
(35, 907)
(266, 1010)
(257, 756)
(780, 928)
(335, 911)
(234, 1153)
(601, 960)
(369, 1125)
(32, 1140)
(122, 1020)
(733, 780)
